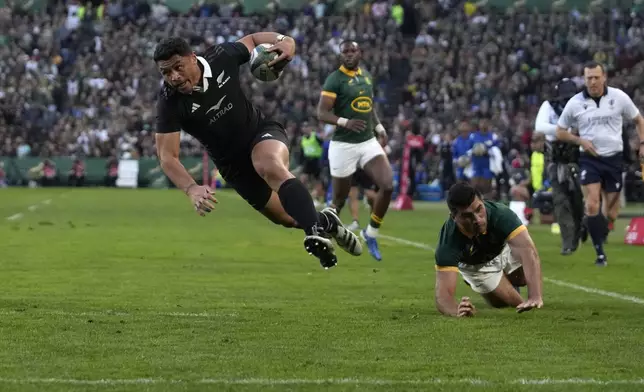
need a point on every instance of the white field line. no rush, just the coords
(331, 381)
(556, 282)
(31, 208)
(37, 311)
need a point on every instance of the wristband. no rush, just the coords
(342, 121)
(189, 186)
(380, 129)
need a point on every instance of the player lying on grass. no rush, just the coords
(490, 247)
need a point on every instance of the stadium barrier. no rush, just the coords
(18, 170)
(146, 172)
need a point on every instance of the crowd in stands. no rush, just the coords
(78, 78)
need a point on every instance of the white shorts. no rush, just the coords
(485, 278)
(346, 158)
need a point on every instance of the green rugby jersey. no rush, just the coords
(455, 247)
(353, 94)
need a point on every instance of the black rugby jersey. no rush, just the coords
(218, 114)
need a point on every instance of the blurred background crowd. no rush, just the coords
(77, 78)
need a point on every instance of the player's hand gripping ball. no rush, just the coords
(479, 149)
(259, 59)
(463, 161)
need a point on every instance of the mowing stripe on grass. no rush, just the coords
(331, 381)
(556, 282)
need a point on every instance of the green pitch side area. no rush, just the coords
(130, 290)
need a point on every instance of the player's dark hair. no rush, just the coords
(460, 196)
(171, 46)
(595, 64)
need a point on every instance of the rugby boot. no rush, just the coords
(345, 238)
(372, 245)
(322, 248)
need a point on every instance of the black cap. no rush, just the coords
(565, 89)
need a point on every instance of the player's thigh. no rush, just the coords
(360, 179)
(503, 295)
(591, 170)
(592, 196)
(242, 176)
(369, 150)
(612, 178)
(341, 188)
(379, 171)
(269, 149)
(343, 158)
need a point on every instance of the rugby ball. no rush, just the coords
(259, 60)
(463, 161)
(479, 149)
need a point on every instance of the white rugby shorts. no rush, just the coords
(346, 158)
(485, 278)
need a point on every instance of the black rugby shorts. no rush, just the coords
(240, 173)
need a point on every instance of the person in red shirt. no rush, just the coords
(3, 176)
(112, 173)
(77, 173)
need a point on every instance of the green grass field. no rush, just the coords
(129, 290)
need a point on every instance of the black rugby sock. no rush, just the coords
(597, 229)
(298, 203)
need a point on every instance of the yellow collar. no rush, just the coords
(349, 72)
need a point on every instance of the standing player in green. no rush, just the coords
(347, 101)
(487, 243)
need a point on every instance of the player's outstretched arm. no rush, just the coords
(168, 153)
(525, 251)
(168, 145)
(445, 296)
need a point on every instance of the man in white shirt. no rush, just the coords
(562, 169)
(598, 114)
